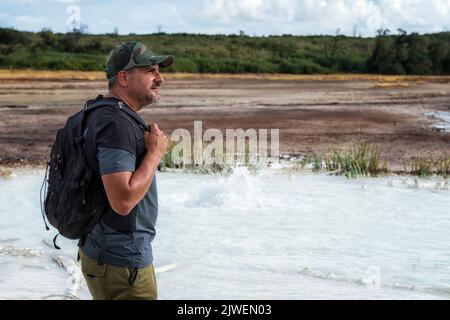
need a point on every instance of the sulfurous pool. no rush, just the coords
(265, 236)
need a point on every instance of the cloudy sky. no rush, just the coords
(254, 17)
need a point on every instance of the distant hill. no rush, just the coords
(388, 54)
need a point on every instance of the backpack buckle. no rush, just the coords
(78, 139)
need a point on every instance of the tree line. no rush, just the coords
(399, 53)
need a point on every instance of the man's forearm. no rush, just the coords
(142, 178)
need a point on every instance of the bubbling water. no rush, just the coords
(239, 191)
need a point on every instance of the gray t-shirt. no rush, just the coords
(116, 142)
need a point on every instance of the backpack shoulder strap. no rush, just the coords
(121, 106)
(134, 115)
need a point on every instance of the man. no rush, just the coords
(116, 256)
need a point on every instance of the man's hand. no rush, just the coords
(156, 141)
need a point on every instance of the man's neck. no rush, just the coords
(124, 98)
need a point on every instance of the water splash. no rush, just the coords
(370, 282)
(443, 116)
(74, 281)
(240, 191)
(23, 252)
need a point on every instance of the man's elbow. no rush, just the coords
(122, 207)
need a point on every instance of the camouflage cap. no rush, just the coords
(133, 54)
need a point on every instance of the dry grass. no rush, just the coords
(388, 85)
(382, 81)
(51, 75)
(379, 79)
(6, 173)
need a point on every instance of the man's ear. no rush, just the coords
(122, 78)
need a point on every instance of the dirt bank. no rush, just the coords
(313, 115)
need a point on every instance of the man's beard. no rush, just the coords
(148, 98)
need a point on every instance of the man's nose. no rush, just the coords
(159, 79)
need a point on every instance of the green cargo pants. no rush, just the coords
(109, 282)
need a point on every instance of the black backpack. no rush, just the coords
(74, 200)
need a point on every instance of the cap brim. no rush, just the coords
(161, 61)
(164, 61)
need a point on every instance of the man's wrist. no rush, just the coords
(153, 157)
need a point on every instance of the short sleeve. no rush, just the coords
(116, 133)
(116, 146)
(115, 160)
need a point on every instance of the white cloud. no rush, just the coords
(24, 22)
(326, 16)
(149, 19)
(25, 1)
(261, 11)
(66, 1)
(416, 15)
(260, 17)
